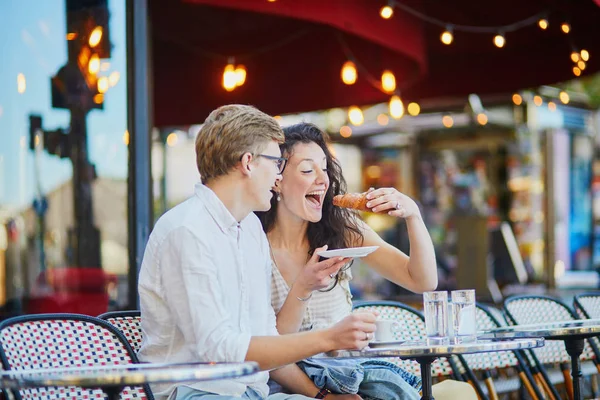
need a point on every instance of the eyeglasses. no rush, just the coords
(279, 161)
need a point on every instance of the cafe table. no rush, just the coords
(112, 379)
(573, 333)
(425, 352)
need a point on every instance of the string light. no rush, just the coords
(499, 40)
(355, 116)
(581, 65)
(386, 12)
(552, 106)
(348, 73)
(482, 119)
(517, 99)
(565, 27)
(172, 139)
(413, 109)
(103, 84)
(345, 131)
(447, 37)
(21, 83)
(113, 78)
(396, 107)
(95, 36)
(240, 74)
(388, 81)
(447, 121)
(576, 71)
(94, 65)
(585, 55)
(537, 100)
(543, 23)
(383, 119)
(564, 97)
(574, 56)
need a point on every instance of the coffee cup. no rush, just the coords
(385, 330)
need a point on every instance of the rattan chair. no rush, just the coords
(129, 323)
(411, 326)
(46, 341)
(535, 309)
(494, 366)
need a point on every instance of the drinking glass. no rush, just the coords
(464, 318)
(435, 306)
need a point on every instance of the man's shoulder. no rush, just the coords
(187, 214)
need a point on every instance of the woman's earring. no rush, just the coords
(278, 197)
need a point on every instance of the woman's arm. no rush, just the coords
(418, 272)
(314, 275)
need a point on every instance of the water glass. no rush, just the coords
(464, 318)
(435, 306)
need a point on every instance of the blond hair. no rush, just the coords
(228, 133)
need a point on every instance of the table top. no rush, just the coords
(124, 375)
(550, 330)
(421, 348)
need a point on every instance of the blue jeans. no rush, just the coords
(371, 379)
(187, 393)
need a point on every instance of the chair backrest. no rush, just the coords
(587, 305)
(62, 341)
(492, 360)
(129, 323)
(534, 309)
(411, 326)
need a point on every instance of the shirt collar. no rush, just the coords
(215, 207)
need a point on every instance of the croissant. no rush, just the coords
(356, 201)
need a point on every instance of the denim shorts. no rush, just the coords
(370, 378)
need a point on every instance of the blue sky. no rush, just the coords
(33, 43)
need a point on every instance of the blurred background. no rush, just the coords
(488, 117)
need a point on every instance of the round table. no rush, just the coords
(425, 353)
(573, 333)
(112, 379)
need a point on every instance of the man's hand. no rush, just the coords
(353, 332)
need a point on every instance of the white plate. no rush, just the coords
(354, 252)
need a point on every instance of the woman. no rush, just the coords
(308, 294)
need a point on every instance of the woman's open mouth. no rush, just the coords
(315, 198)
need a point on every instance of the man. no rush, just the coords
(204, 284)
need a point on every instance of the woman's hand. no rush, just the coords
(318, 275)
(397, 204)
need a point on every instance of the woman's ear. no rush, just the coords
(246, 164)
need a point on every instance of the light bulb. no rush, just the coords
(396, 107)
(113, 78)
(565, 27)
(482, 119)
(94, 65)
(564, 97)
(386, 12)
(345, 131)
(103, 84)
(388, 81)
(348, 73)
(229, 78)
(499, 40)
(576, 71)
(543, 23)
(517, 99)
(240, 74)
(552, 106)
(447, 121)
(574, 56)
(414, 109)
(447, 37)
(581, 64)
(383, 119)
(355, 115)
(585, 55)
(537, 100)
(95, 36)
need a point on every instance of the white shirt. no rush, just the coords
(204, 289)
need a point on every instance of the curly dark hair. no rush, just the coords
(339, 226)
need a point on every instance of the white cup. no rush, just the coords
(385, 330)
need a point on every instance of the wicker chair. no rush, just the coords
(535, 309)
(47, 341)
(129, 324)
(496, 364)
(587, 305)
(411, 326)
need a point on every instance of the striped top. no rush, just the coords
(324, 308)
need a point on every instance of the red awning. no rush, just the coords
(293, 52)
